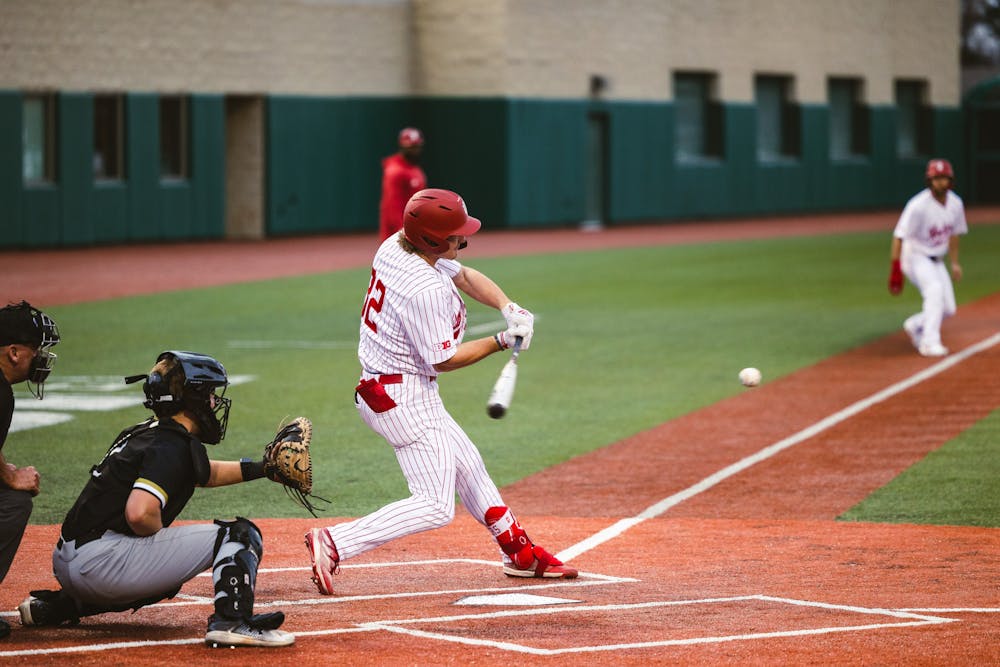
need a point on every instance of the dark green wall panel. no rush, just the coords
(884, 159)
(950, 143)
(11, 214)
(75, 167)
(208, 167)
(815, 157)
(741, 156)
(547, 167)
(40, 216)
(109, 212)
(468, 151)
(324, 157)
(641, 164)
(176, 221)
(142, 117)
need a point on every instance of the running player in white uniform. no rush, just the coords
(926, 236)
(412, 324)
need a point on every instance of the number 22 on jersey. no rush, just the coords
(374, 298)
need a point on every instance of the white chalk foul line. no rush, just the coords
(662, 506)
(404, 626)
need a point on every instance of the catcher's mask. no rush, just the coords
(188, 381)
(24, 324)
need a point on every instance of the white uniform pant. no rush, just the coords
(436, 457)
(932, 279)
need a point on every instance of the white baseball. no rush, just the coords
(750, 377)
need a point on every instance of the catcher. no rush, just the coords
(118, 550)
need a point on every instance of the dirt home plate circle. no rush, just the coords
(750, 377)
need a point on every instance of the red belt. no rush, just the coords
(395, 378)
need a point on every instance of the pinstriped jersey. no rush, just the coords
(413, 315)
(927, 224)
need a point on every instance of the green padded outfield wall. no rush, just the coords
(76, 210)
(646, 182)
(324, 161)
(521, 163)
(518, 162)
(468, 150)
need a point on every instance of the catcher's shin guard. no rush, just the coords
(238, 549)
(526, 558)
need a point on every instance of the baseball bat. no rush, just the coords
(503, 390)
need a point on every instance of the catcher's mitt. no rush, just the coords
(287, 461)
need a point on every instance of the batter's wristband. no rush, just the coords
(496, 339)
(251, 469)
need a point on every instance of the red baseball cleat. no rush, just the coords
(324, 557)
(546, 566)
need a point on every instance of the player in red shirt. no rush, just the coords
(402, 177)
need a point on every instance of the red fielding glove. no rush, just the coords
(895, 278)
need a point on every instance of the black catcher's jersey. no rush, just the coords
(161, 458)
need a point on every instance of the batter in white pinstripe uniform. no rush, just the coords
(412, 328)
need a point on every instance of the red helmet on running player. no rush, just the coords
(410, 136)
(432, 215)
(938, 167)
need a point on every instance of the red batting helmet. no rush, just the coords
(939, 167)
(432, 215)
(410, 136)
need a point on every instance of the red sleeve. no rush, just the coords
(400, 180)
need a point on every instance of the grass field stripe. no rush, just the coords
(662, 506)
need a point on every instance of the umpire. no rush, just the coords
(118, 549)
(27, 336)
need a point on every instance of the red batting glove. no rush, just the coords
(895, 278)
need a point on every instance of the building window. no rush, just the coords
(698, 117)
(109, 137)
(914, 120)
(174, 137)
(849, 120)
(38, 139)
(778, 119)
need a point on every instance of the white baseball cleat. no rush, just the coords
(238, 633)
(324, 557)
(936, 350)
(915, 332)
(258, 630)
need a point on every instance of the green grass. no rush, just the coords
(958, 484)
(625, 340)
